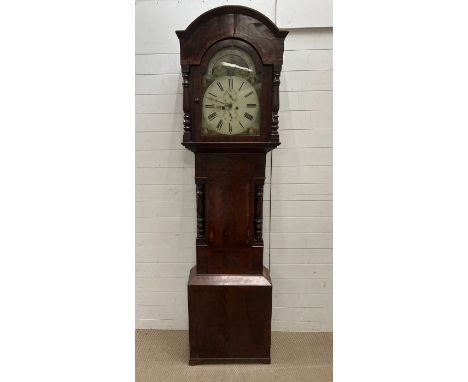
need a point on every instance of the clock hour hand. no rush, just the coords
(225, 105)
(215, 100)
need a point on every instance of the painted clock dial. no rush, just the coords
(230, 106)
(231, 89)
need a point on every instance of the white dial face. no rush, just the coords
(230, 105)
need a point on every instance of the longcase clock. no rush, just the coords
(231, 60)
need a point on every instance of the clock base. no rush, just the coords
(199, 361)
(229, 317)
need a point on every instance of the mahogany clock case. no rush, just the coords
(229, 289)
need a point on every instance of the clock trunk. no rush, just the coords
(232, 201)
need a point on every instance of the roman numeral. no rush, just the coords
(212, 116)
(240, 123)
(250, 105)
(211, 106)
(230, 127)
(220, 86)
(248, 94)
(231, 83)
(248, 116)
(220, 123)
(241, 85)
(212, 94)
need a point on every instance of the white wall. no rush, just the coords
(301, 223)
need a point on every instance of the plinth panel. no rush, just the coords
(229, 317)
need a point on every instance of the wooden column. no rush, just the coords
(186, 103)
(275, 103)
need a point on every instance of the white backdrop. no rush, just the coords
(301, 194)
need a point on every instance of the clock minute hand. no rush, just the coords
(224, 103)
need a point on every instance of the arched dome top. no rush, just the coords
(232, 22)
(232, 9)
